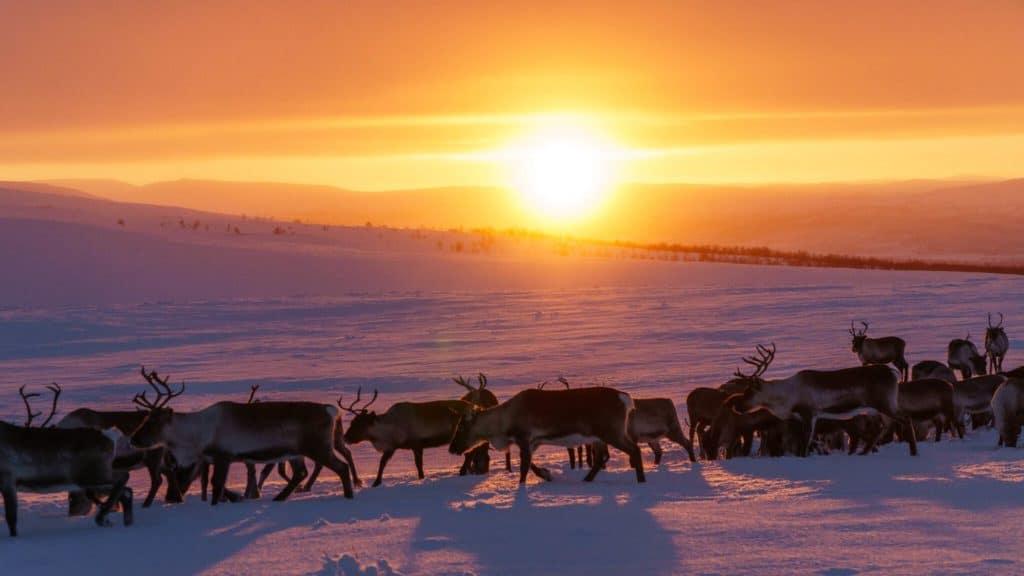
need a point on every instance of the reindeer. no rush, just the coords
(887, 350)
(479, 460)
(127, 458)
(411, 426)
(702, 406)
(576, 453)
(227, 432)
(735, 430)
(534, 417)
(861, 428)
(652, 420)
(927, 400)
(973, 397)
(1008, 411)
(932, 369)
(963, 355)
(51, 459)
(832, 394)
(996, 344)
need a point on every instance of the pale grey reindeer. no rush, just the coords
(996, 344)
(963, 355)
(886, 350)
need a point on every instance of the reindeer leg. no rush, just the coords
(656, 448)
(628, 446)
(334, 464)
(204, 480)
(10, 494)
(572, 458)
(298, 475)
(312, 477)
(154, 461)
(113, 498)
(347, 455)
(466, 459)
(676, 435)
(508, 460)
(525, 460)
(252, 492)
(383, 462)
(221, 466)
(127, 503)
(417, 454)
(265, 473)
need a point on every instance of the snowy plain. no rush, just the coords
(652, 328)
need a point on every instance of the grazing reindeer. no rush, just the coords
(735, 430)
(973, 397)
(51, 459)
(963, 356)
(127, 458)
(405, 426)
(227, 432)
(832, 394)
(1008, 411)
(887, 350)
(534, 417)
(652, 420)
(932, 369)
(996, 344)
(861, 428)
(479, 460)
(576, 453)
(702, 406)
(929, 399)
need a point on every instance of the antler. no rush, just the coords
(56, 389)
(461, 381)
(28, 407)
(164, 394)
(564, 381)
(482, 380)
(1000, 325)
(990, 320)
(252, 392)
(765, 356)
(351, 408)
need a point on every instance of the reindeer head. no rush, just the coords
(859, 336)
(465, 437)
(361, 426)
(159, 418)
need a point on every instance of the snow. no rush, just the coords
(651, 328)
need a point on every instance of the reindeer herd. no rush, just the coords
(91, 453)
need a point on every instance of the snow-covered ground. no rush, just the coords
(955, 509)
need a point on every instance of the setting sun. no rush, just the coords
(563, 173)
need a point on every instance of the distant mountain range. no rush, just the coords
(920, 219)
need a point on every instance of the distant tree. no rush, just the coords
(120, 222)
(279, 231)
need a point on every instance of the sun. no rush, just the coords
(563, 173)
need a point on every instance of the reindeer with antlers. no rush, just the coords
(45, 459)
(886, 350)
(228, 432)
(413, 426)
(811, 395)
(478, 460)
(128, 459)
(997, 344)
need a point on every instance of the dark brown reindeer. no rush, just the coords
(479, 460)
(533, 418)
(127, 458)
(932, 369)
(963, 355)
(51, 459)
(228, 432)
(832, 394)
(702, 407)
(576, 453)
(996, 344)
(887, 350)
(413, 426)
(734, 430)
(929, 400)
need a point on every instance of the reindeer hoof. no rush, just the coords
(103, 522)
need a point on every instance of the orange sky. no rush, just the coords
(378, 95)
